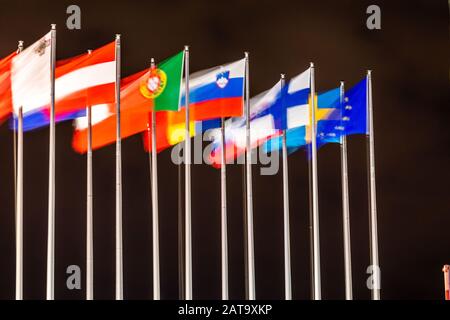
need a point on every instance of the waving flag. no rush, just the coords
(87, 79)
(157, 88)
(30, 77)
(5, 86)
(351, 117)
(327, 115)
(217, 92)
(262, 127)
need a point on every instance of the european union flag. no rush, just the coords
(352, 116)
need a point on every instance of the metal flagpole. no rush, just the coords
(187, 173)
(315, 197)
(223, 220)
(244, 223)
(155, 221)
(250, 239)
(346, 208)
(89, 211)
(181, 256)
(119, 250)
(310, 224)
(19, 208)
(18, 179)
(376, 292)
(51, 176)
(287, 233)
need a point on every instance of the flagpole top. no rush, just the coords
(369, 73)
(152, 62)
(186, 48)
(342, 83)
(89, 51)
(117, 36)
(53, 26)
(311, 64)
(282, 76)
(20, 45)
(246, 54)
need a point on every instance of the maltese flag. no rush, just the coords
(87, 79)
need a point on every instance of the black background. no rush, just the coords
(409, 57)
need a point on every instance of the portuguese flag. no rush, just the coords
(157, 87)
(163, 82)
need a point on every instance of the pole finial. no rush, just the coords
(246, 54)
(117, 36)
(342, 82)
(53, 26)
(186, 48)
(89, 51)
(369, 73)
(311, 64)
(20, 45)
(282, 76)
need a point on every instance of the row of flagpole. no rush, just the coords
(248, 207)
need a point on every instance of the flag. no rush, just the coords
(30, 77)
(327, 114)
(157, 87)
(351, 116)
(279, 108)
(217, 92)
(87, 79)
(5, 86)
(262, 127)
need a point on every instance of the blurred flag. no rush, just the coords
(217, 92)
(270, 112)
(327, 115)
(157, 87)
(262, 127)
(87, 79)
(5, 86)
(30, 77)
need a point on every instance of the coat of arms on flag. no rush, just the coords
(152, 86)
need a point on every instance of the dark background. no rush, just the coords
(409, 57)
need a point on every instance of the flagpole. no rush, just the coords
(119, 241)
(51, 176)
(18, 182)
(250, 239)
(346, 208)
(315, 198)
(155, 212)
(187, 173)
(19, 208)
(89, 211)
(376, 292)
(224, 225)
(181, 256)
(286, 227)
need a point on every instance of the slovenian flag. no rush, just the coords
(217, 92)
